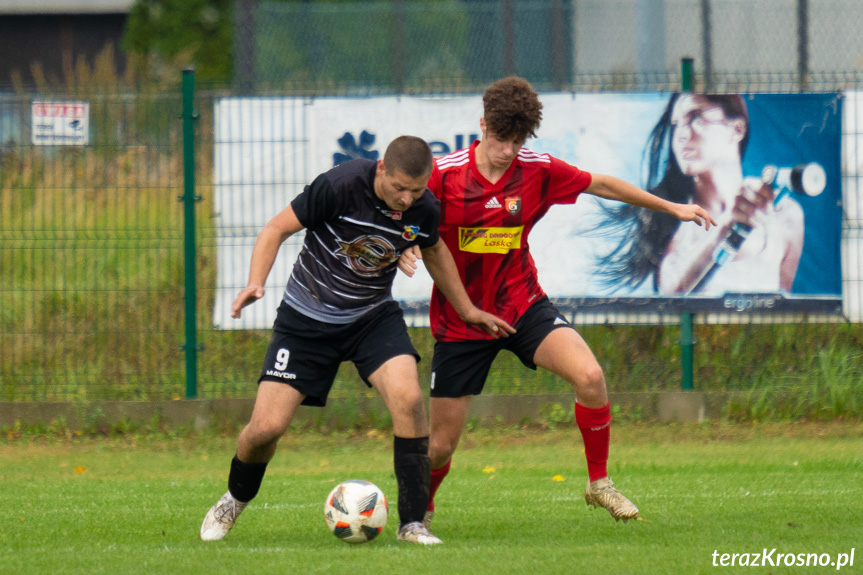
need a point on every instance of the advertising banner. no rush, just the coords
(597, 255)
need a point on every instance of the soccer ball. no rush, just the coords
(356, 511)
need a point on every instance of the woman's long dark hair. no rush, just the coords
(646, 233)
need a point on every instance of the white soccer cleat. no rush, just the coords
(416, 532)
(427, 519)
(221, 517)
(602, 493)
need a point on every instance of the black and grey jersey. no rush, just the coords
(353, 240)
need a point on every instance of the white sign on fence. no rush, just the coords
(60, 123)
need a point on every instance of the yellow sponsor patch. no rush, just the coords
(489, 240)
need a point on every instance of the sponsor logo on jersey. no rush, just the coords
(411, 233)
(392, 215)
(281, 374)
(513, 204)
(368, 255)
(489, 240)
(492, 204)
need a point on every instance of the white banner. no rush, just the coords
(268, 149)
(852, 202)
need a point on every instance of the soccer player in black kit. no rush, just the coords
(338, 306)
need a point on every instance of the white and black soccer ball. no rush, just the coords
(356, 511)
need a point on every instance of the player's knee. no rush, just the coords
(264, 432)
(590, 380)
(595, 376)
(411, 405)
(441, 449)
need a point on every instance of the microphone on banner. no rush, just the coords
(809, 179)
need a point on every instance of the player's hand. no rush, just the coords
(492, 324)
(408, 260)
(694, 213)
(248, 295)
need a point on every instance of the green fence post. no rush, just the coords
(189, 199)
(686, 340)
(686, 352)
(686, 74)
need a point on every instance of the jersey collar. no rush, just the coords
(482, 179)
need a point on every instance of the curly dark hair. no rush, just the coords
(512, 109)
(646, 233)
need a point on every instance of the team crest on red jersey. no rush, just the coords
(513, 204)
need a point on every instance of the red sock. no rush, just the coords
(437, 478)
(594, 423)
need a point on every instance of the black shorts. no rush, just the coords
(305, 353)
(460, 368)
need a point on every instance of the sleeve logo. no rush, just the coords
(489, 240)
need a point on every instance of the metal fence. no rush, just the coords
(90, 252)
(93, 290)
(93, 298)
(462, 45)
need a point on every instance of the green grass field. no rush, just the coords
(135, 505)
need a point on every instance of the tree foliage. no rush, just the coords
(164, 35)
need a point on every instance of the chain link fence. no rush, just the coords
(91, 236)
(456, 46)
(90, 251)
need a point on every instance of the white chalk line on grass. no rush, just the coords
(731, 495)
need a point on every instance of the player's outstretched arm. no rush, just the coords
(441, 267)
(612, 188)
(277, 230)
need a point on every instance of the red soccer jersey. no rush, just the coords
(486, 227)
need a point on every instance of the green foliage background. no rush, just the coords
(197, 31)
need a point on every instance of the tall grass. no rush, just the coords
(831, 390)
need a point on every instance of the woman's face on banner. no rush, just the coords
(704, 138)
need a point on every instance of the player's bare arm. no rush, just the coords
(441, 267)
(281, 227)
(612, 188)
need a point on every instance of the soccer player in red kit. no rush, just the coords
(492, 194)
